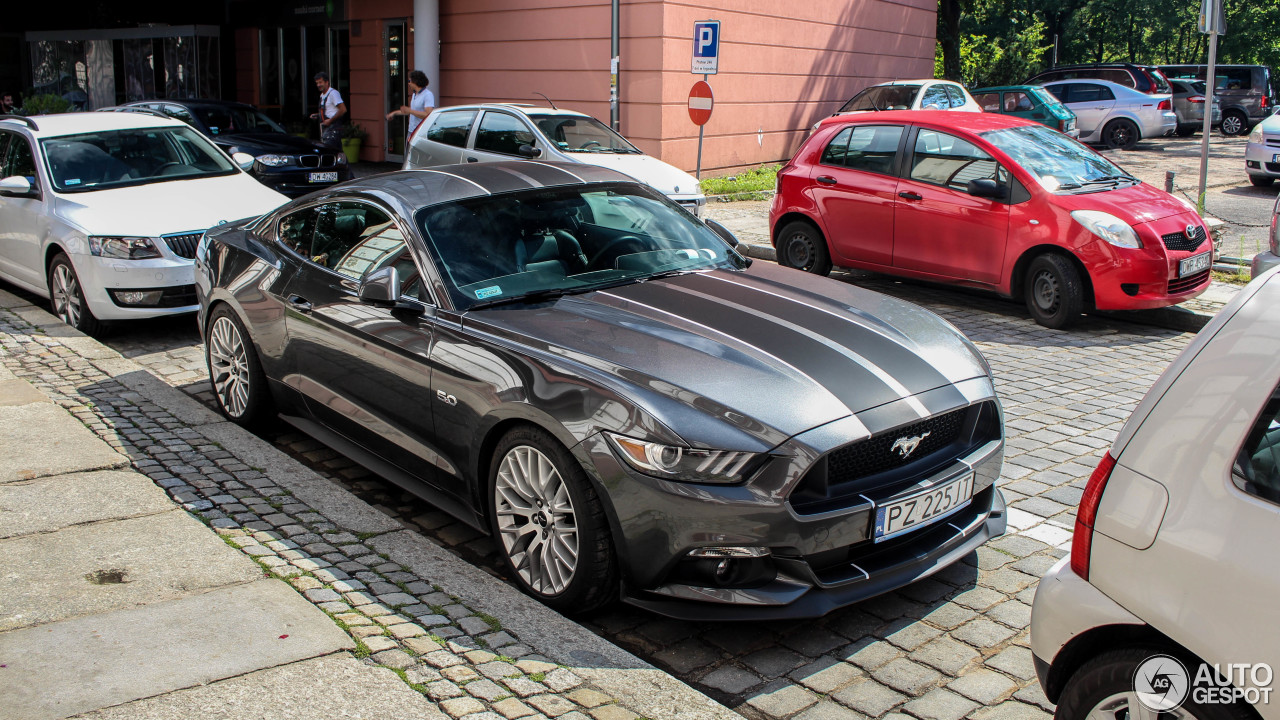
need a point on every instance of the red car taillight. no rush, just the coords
(1062, 126)
(1082, 539)
(1266, 101)
(1165, 105)
(1197, 99)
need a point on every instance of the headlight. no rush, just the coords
(1256, 135)
(670, 462)
(342, 158)
(273, 160)
(123, 248)
(1108, 227)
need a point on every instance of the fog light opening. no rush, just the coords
(137, 297)
(1130, 289)
(726, 567)
(1253, 164)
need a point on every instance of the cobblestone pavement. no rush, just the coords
(951, 646)
(463, 660)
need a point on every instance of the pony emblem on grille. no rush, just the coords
(905, 445)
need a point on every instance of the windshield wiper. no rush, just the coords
(536, 295)
(1111, 179)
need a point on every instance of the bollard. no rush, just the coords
(1168, 181)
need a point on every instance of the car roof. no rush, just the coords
(82, 122)
(969, 122)
(524, 108)
(448, 183)
(1088, 66)
(914, 82)
(191, 102)
(1095, 81)
(1005, 88)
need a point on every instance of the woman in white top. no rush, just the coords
(332, 112)
(420, 105)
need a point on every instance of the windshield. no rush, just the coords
(883, 97)
(575, 134)
(116, 158)
(234, 120)
(1046, 97)
(1058, 162)
(551, 242)
(1161, 81)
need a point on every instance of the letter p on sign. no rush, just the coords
(706, 47)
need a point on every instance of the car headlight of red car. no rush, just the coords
(1108, 227)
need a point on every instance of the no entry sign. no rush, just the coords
(700, 102)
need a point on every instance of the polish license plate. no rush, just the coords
(1275, 158)
(1194, 264)
(923, 508)
(323, 177)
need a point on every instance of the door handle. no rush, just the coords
(826, 180)
(300, 304)
(471, 159)
(910, 196)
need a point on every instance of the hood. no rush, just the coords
(1135, 205)
(268, 143)
(666, 179)
(771, 350)
(167, 207)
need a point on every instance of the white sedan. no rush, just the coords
(1115, 115)
(101, 212)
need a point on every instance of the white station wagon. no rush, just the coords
(101, 212)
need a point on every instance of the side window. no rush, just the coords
(956, 95)
(989, 102)
(942, 159)
(1061, 92)
(20, 160)
(1017, 102)
(502, 133)
(837, 149)
(1257, 467)
(1104, 93)
(177, 112)
(295, 230)
(935, 98)
(452, 128)
(341, 228)
(873, 147)
(1119, 77)
(4, 146)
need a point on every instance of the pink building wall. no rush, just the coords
(778, 75)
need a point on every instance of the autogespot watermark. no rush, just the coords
(1162, 683)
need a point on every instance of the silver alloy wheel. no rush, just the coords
(1232, 125)
(1044, 289)
(536, 520)
(66, 294)
(1125, 705)
(229, 366)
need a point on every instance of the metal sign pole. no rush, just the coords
(701, 129)
(1209, 87)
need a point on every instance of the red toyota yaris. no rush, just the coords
(989, 201)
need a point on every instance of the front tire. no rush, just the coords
(1260, 181)
(549, 522)
(1054, 292)
(1120, 134)
(801, 246)
(67, 297)
(1234, 123)
(239, 385)
(1103, 688)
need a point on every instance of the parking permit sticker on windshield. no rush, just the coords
(483, 293)
(75, 181)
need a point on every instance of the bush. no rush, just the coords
(47, 104)
(756, 180)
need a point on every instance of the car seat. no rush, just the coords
(82, 164)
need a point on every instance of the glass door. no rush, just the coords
(395, 54)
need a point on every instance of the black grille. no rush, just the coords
(184, 245)
(312, 161)
(1181, 285)
(1180, 241)
(1272, 167)
(874, 467)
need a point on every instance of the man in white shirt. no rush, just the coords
(332, 112)
(420, 104)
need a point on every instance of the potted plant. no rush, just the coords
(352, 136)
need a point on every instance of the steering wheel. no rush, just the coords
(165, 168)
(589, 143)
(616, 243)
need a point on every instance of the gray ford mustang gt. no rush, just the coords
(562, 357)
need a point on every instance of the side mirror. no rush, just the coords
(244, 160)
(723, 232)
(529, 151)
(987, 188)
(16, 186)
(381, 288)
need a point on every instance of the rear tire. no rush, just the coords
(1120, 134)
(1186, 130)
(549, 522)
(1054, 292)
(239, 385)
(1104, 687)
(801, 246)
(67, 297)
(1234, 123)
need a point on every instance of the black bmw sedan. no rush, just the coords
(288, 164)
(562, 357)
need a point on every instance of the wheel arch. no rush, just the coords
(1129, 115)
(791, 216)
(1017, 278)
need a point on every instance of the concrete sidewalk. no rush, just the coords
(163, 563)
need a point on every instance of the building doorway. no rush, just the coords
(395, 51)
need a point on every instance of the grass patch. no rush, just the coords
(362, 536)
(538, 677)
(362, 650)
(746, 185)
(491, 621)
(1233, 278)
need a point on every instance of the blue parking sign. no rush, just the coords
(706, 47)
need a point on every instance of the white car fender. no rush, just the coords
(1065, 607)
